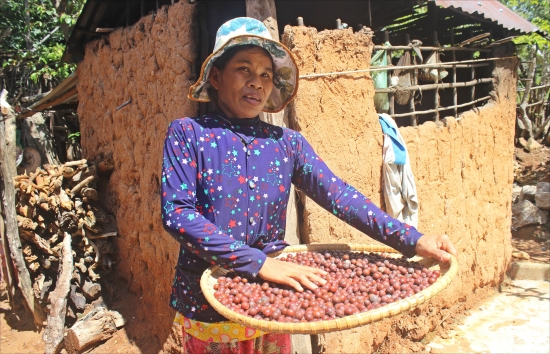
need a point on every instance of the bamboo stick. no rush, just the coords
(433, 86)
(391, 67)
(453, 56)
(533, 88)
(428, 48)
(440, 109)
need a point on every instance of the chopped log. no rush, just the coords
(68, 172)
(81, 266)
(39, 241)
(94, 276)
(92, 329)
(53, 334)
(75, 163)
(26, 223)
(8, 170)
(91, 290)
(78, 299)
(81, 185)
(105, 235)
(89, 193)
(65, 200)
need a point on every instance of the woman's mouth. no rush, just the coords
(252, 99)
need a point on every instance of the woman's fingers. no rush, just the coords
(291, 274)
(436, 246)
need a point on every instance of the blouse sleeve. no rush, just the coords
(316, 180)
(180, 217)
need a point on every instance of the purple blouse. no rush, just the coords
(225, 189)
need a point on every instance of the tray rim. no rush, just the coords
(448, 273)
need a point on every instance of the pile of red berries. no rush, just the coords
(356, 282)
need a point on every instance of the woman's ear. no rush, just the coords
(214, 77)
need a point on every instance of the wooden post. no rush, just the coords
(453, 58)
(53, 334)
(472, 75)
(436, 103)
(414, 120)
(7, 154)
(525, 99)
(391, 96)
(265, 11)
(6, 271)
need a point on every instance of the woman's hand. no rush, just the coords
(291, 274)
(436, 246)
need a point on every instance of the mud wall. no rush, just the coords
(149, 63)
(463, 171)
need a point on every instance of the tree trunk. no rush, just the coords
(53, 334)
(36, 135)
(7, 154)
(525, 99)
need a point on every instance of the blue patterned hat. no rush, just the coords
(243, 31)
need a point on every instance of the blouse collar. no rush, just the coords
(237, 121)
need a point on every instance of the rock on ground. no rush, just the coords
(526, 213)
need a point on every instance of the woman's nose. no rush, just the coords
(255, 82)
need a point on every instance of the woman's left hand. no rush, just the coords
(439, 247)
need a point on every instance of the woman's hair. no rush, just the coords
(221, 63)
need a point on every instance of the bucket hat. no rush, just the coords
(243, 31)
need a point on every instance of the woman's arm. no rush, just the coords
(180, 217)
(317, 181)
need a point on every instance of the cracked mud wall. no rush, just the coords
(149, 63)
(463, 171)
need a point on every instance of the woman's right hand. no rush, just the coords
(291, 274)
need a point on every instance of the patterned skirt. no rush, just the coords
(266, 344)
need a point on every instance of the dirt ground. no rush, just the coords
(18, 335)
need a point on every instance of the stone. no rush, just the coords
(526, 232)
(520, 254)
(516, 192)
(526, 213)
(542, 195)
(528, 193)
(522, 142)
(533, 145)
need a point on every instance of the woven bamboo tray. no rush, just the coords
(448, 272)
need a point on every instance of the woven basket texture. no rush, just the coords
(448, 272)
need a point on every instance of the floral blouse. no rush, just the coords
(225, 189)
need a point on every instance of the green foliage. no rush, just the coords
(33, 48)
(538, 13)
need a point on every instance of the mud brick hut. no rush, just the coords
(137, 60)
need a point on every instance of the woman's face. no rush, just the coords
(244, 85)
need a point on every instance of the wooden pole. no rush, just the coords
(472, 76)
(440, 86)
(391, 96)
(436, 101)
(529, 83)
(441, 109)
(9, 171)
(453, 58)
(7, 273)
(53, 334)
(265, 11)
(414, 120)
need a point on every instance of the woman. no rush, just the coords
(226, 183)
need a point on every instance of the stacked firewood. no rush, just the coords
(66, 239)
